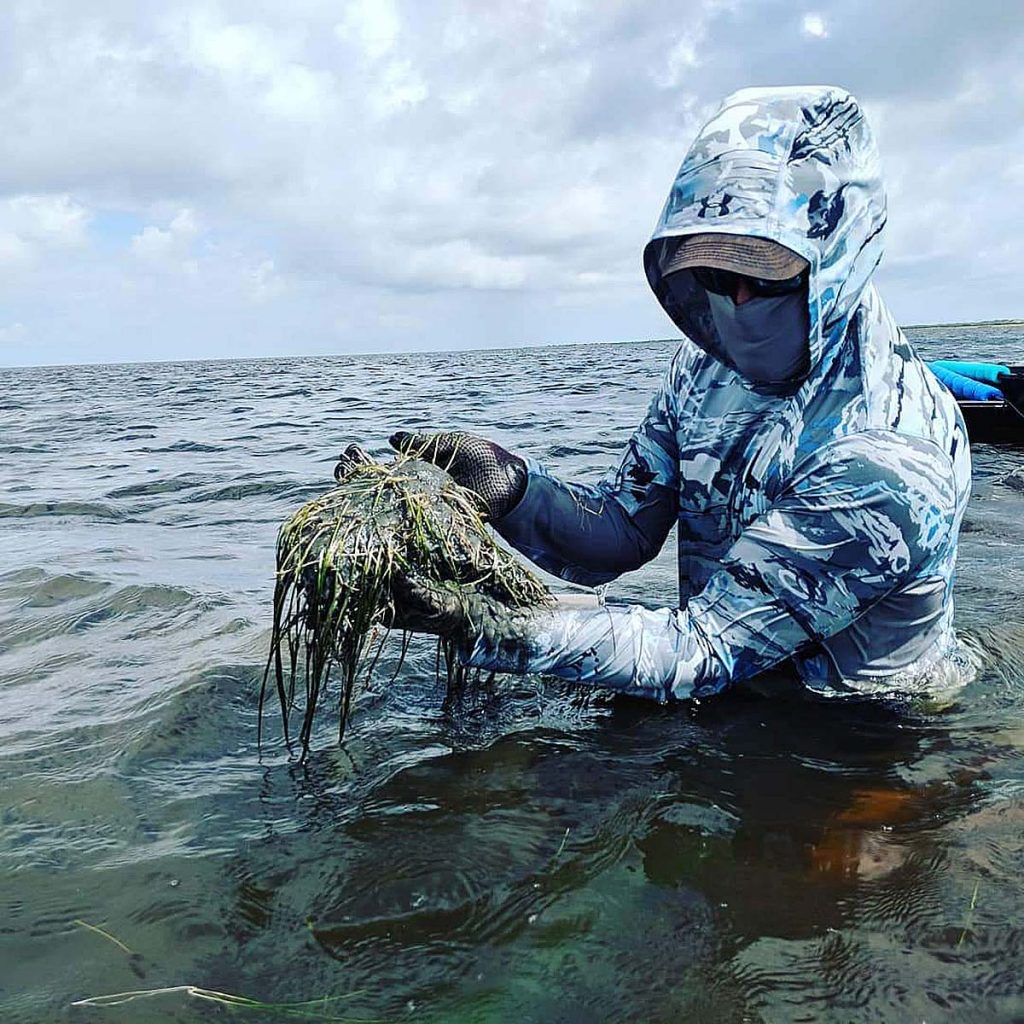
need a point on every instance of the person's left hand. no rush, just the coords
(421, 606)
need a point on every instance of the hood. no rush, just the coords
(795, 165)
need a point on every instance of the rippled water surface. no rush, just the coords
(526, 856)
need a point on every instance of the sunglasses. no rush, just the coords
(725, 282)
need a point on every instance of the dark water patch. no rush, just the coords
(137, 600)
(992, 839)
(264, 516)
(239, 491)
(1014, 479)
(143, 489)
(993, 461)
(218, 703)
(185, 446)
(53, 914)
(582, 387)
(594, 448)
(513, 424)
(902, 889)
(24, 449)
(77, 621)
(193, 391)
(13, 581)
(50, 830)
(38, 589)
(277, 424)
(274, 453)
(57, 509)
(294, 393)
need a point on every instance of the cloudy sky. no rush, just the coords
(208, 179)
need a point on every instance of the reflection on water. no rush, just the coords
(526, 853)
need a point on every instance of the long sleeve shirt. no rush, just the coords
(817, 524)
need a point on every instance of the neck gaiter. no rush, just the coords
(765, 339)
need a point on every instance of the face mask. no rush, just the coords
(766, 337)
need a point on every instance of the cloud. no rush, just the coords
(12, 334)
(813, 25)
(30, 225)
(372, 24)
(170, 247)
(13, 250)
(393, 174)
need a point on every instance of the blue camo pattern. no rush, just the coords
(818, 524)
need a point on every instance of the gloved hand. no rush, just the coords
(496, 476)
(422, 606)
(351, 457)
(426, 607)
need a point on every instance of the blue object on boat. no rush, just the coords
(989, 373)
(970, 381)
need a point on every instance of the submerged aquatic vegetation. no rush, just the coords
(308, 1009)
(338, 556)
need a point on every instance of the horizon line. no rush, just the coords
(1003, 322)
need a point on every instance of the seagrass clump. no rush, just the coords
(337, 557)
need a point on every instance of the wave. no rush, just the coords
(235, 492)
(33, 510)
(184, 446)
(167, 485)
(68, 604)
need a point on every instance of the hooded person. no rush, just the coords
(815, 469)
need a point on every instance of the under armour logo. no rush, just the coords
(720, 206)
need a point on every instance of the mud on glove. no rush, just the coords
(497, 477)
(422, 606)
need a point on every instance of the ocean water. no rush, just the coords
(527, 854)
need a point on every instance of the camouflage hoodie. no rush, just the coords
(818, 523)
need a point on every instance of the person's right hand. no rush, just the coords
(497, 477)
(351, 457)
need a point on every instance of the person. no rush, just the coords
(816, 471)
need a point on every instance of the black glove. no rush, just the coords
(497, 477)
(422, 606)
(351, 457)
(425, 607)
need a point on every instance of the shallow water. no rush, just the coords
(527, 855)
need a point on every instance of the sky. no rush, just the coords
(235, 179)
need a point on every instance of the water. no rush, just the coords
(528, 856)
